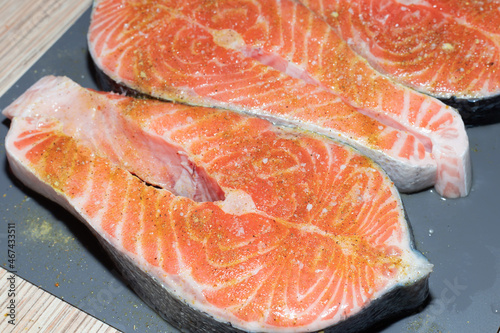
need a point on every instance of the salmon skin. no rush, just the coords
(476, 111)
(222, 222)
(277, 60)
(447, 49)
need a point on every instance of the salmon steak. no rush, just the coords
(222, 222)
(277, 60)
(447, 49)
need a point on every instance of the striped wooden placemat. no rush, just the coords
(35, 310)
(28, 28)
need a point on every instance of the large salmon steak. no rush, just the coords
(445, 48)
(279, 61)
(222, 222)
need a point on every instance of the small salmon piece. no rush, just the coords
(222, 222)
(277, 60)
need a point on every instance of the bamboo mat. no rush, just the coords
(39, 311)
(28, 28)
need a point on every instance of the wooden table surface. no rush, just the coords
(28, 28)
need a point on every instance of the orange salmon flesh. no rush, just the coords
(262, 227)
(440, 47)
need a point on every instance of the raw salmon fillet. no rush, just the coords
(277, 60)
(448, 49)
(222, 222)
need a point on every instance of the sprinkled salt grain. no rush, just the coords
(431, 231)
(381, 127)
(309, 207)
(342, 167)
(264, 160)
(447, 47)
(324, 211)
